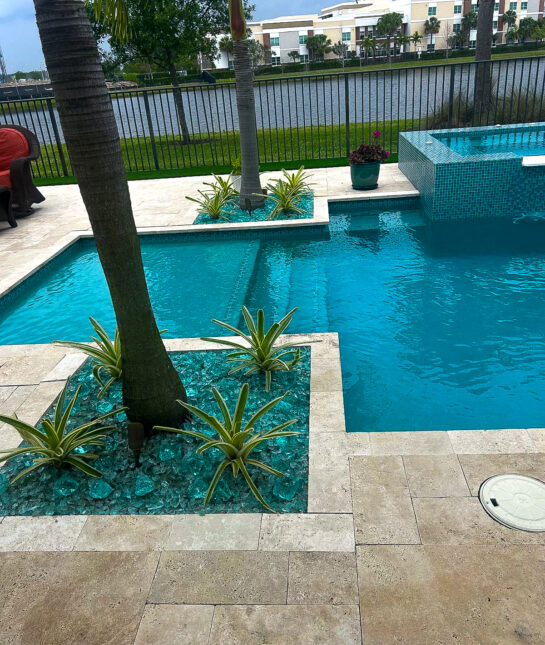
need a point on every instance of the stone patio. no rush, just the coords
(395, 547)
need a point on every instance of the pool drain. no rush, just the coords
(516, 501)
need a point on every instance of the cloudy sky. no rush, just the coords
(21, 46)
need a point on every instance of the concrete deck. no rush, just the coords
(394, 549)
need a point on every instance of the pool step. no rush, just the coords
(309, 293)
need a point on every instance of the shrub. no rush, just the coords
(53, 445)
(236, 441)
(260, 354)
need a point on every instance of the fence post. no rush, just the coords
(346, 115)
(451, 94)
(57, 136)
(150, 128)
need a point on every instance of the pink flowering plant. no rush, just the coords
(369, 152)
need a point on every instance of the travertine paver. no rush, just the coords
(215, 532)
(410, 443)
(477, 468)
(40, 533)
(221, 577)
(383, 511)
(175, 624)
(322, 579)
(435, 476)
(462, 520)
(124, 533)
(414, 595)
(489, 441)
(537, 435)
(307, 532)
(73, 598)
(286, 625)
(327, 412)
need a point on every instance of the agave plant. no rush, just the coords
(235, 440)
(223, 187)
(53, 445)
(261, 355)
(212, 204)
(106, 355)
(297, 181)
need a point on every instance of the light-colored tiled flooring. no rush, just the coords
(396, 548)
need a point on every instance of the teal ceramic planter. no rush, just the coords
(365, 175)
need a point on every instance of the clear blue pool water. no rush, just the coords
(441, 326)
(521, 143)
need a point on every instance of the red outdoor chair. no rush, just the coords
(18, 147)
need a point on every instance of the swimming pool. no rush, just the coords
(440, 326)
(520, 143)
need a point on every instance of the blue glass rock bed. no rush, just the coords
(440, 325)
(172, 477)
(235, 214)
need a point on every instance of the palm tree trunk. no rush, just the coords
(251, 196)
(150, 382)
(178, 101)
(483, 53)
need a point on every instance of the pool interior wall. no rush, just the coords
(440, 324)
(491, 182)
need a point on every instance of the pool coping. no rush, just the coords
(326, 526)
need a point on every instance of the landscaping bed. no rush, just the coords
(235, 214)
(172, 478)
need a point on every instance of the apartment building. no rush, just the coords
(351, 22)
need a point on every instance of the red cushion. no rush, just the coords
(5, 178)
(13, 145)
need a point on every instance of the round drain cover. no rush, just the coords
(516, 501)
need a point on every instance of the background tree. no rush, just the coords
(169, 32)
(483, 54)
(526, 28)
(294, 55)
(416, 39)
(403, 41)
(318, 46)
(388, 25)
(151, 385)
(368, 44)
(340, 49)
(251, 194)
(539, 31)
(469, 22)
(258, 52)
(509, 19)
(431, 28)
(225, 45)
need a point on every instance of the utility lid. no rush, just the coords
(516, 501)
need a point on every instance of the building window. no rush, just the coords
(496, 6)
(475, 8)
(457, 8)
(231, 64)
(456, 28)
(472, 44)
(346, 36)
(432, 11)
(494, 25)
(303, 58)
(275, 60)
(523, 6)
(512, 6)
(275, 42)
(431, 47)
(303, 40)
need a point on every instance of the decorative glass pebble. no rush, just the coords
(172, 478)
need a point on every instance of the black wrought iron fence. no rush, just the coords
(299, 118)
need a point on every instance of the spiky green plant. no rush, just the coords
(235, 440)
(223, 187)
(298, 182)
(212, 204)
(260, 354)
(53, 445)
(106, 355)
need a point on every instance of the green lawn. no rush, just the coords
(312, 147)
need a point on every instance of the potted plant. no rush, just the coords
(365, 163)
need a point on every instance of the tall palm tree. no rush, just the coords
(251, 194)
(509, 18)
(368, 44)
(416, 39)
(388, 25)
(432, 27)
(403, 40)
(151, 385)
(483, 54)
(225, 45)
